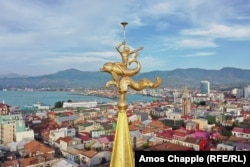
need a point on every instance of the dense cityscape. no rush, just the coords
(81, 133)
(135, 83)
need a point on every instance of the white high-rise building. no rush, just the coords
(237, 92)
(205, 87)
(246, 92)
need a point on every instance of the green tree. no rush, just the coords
(211, 119)
(236, 123)
(87, 148)
(58, 104)
(226, 131)
(146, 145)
(202, 103)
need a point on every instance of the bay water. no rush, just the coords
(25, 98)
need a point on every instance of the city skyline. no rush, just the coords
(44, 37)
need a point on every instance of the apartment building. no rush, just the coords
(10, 125)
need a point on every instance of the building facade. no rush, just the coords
(88, 104)
(4, 109)
(10, 125)
(173, 120)
(205, 87)
(246, 92)
(186, 102)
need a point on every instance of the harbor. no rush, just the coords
(49, 98)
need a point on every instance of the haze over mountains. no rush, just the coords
(178, 78)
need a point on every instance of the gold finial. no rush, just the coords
(122, 153)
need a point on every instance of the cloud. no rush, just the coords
(201, 54)
(67, 20)
(162, 26)
(151, 63)
(83, 34)
(160, 8)
(195, 43)
(84, 60)
(197, 12)
(221, 31)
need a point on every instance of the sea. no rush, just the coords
(49, 98)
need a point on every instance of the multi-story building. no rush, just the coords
(55, 134)
(237, 92)
(4, 109)
(246, 92)
(202, 124)
(88, 104)
(173, 120)
(12, 128)
(241, 132)
(136, 139)
(205, 87)
(7, 132)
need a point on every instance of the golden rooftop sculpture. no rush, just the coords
(122, 153)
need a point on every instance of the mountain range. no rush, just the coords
(178, 78)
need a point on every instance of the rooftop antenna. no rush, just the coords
(124, 24)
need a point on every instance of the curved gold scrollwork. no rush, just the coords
(121, 74)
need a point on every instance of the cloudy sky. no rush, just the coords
(40, 37)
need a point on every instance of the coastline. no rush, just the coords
(26, 98)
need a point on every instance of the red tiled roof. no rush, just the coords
(58, 140)
(84, 134)
(66, 139)
(129, 114)
(10, 163)
(106, 139)
(35, 146)
(84, 138)
(51, 113)
(166, 135)
(147, 130)
(186, 117)
(244, 112)
(28, 161)
(236, 129)
(3, 105)
(180, 134)
(89, 154)
(237, 139)
(245, 130)
(103, 140)
(167, 146)
(156, 123)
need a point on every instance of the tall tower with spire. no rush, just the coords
(186, 102)
(122, 72)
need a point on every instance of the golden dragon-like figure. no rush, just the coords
(121, 74)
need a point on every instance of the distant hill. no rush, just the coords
(13, 75)
(178, 78)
